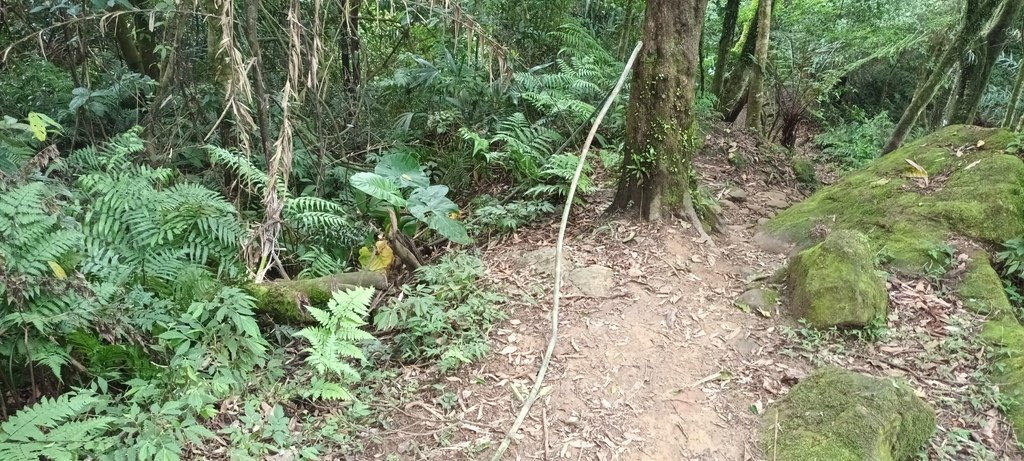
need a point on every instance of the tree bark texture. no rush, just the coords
(660, 132)
(755, 99)
(976, 81)
(725, 43)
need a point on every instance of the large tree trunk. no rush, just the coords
(755, 99)
(968, 32)
(725, 42)
(660, 133)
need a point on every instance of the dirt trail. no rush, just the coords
(654, 361)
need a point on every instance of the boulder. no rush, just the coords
(835, 283)
(971, 191)
(1005, 338)
(838, 415)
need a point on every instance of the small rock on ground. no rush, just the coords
(593, 281)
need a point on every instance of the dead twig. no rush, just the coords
(559, 247)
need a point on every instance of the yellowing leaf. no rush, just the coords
(915, 170)
(57, 270)
(378, 259)
(38, 123)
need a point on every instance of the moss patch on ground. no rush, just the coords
(840, 415)
(1005, 336)
(981, 288)
(973, 192)
(835, 284)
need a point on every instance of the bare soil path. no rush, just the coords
(654, 361)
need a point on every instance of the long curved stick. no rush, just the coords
(532, 398)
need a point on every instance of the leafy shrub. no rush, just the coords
(490, 214)
(400, 183)
(446, 316)
(851, 144)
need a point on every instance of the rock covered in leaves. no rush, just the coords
(838, 415)
(835, 284)
(956, 181)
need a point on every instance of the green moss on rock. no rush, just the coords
(977, 195)
(981, 288)
(804, 171)
(835, 283)
(839, 415)
(1005, 336)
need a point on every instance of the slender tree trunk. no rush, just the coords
(995, 40)
(124, 34)
(725, 43)
(350, 44)
(755, 99)
(259, 84)
(966, 35)
(1011, 108)
(661, 132)
(736, 82)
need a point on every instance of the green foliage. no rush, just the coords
(400, 182)
(320, 232)
(446, 316)
(34, 84)
(62, 428)
(491, 214)
(335, 340)
(852, 144)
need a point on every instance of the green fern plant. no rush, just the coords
(335, 340)
(62, 428)
(312, 224)
(557, 176)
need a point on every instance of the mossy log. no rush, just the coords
(285, 301)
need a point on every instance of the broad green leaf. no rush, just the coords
(403, 168)
(449, 229)
(431, 200)
(379, 187)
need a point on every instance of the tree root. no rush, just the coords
(691, 213)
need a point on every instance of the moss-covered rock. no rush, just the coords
(837, 415)
(976, 194)
(1005, 336)
(981, 288)
(804, 171)
(835, 283)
